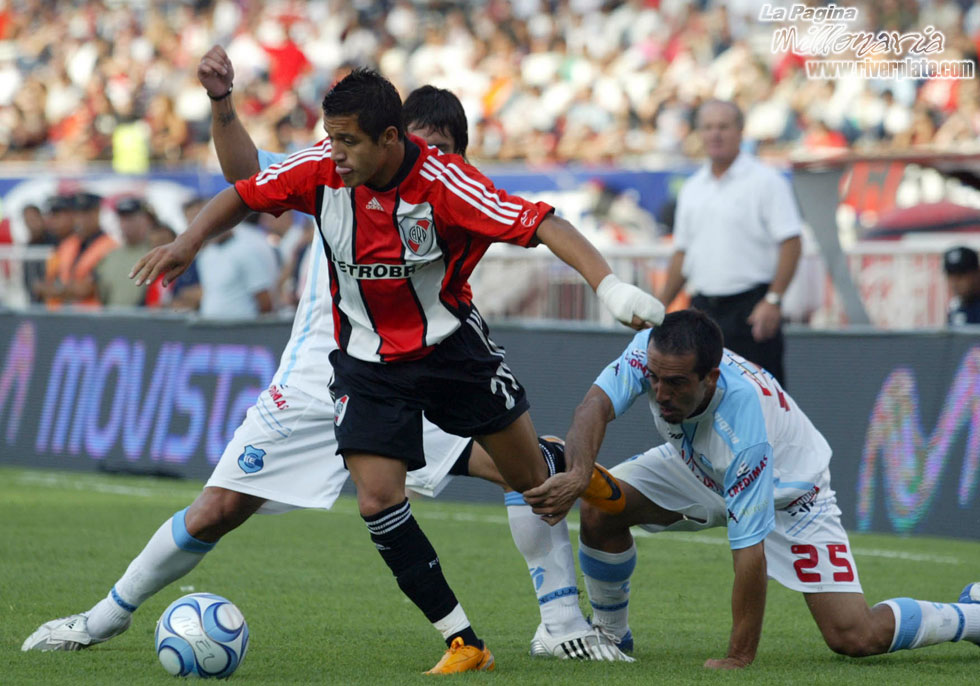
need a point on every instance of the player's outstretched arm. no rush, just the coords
(237, 154)
(555, 497)
(628, 304)
(748, 607)
(224, 211)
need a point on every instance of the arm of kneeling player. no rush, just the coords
(556, 496)
(748, 607)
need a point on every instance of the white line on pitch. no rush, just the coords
(89, 483)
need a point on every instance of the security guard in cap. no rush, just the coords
(77, 255)
(59, 217)
(963, 274)
(113, 284)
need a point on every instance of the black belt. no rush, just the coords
(715, 301)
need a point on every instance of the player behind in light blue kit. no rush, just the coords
(283, 455)
(739, 453)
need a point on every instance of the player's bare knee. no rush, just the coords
(217, 511)
(854, 643)
(595, 524)
(371, 502)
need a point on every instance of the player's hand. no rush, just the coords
(215, 72)
(630, 305)
(171, 260)
(555, 497)
(726, 663)
(765, 319)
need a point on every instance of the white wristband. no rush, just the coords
(607, 284)
(626, 301)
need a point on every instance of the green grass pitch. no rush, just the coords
(323, 608)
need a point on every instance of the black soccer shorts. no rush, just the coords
(463, 386)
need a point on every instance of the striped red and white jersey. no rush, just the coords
(399, 257)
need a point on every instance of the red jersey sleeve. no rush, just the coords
(290, 184)
(462, 196)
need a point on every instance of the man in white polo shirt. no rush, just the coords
(737, 240)
(238, 274)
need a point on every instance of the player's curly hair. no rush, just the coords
(367, 94)
(690, 331)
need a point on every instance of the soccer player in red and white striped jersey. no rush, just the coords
(403, 227)
(400, 254)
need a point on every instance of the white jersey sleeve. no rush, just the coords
(626, 378)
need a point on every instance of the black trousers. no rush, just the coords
(731, 312)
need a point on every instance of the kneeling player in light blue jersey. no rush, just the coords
(283, 455)
(739, 453)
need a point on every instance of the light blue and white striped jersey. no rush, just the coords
(304, 364)
(752, 445)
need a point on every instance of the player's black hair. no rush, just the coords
(437, 108)
(370, 96)
(690, 331)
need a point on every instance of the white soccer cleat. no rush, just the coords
(66, 633)
(591, 644)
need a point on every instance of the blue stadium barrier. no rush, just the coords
(162, 394)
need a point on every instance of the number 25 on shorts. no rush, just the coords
(836, 553)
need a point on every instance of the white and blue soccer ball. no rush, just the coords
(201, 635)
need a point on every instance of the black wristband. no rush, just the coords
(220, 97)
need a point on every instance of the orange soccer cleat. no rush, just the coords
(464, 658)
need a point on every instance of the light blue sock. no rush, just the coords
(607, 581)
(548, 552)
(919, 623)
(170, 554)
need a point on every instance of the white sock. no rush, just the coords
(607, 581)
(551, 563)
(919, 623)
(170, 554)
(452, 623)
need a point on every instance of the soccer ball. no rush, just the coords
(201, 635)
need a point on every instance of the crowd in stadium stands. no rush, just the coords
(541, 80)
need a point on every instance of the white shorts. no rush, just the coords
(808, 551)
(285, 452)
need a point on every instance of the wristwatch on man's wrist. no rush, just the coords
(773, 298)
